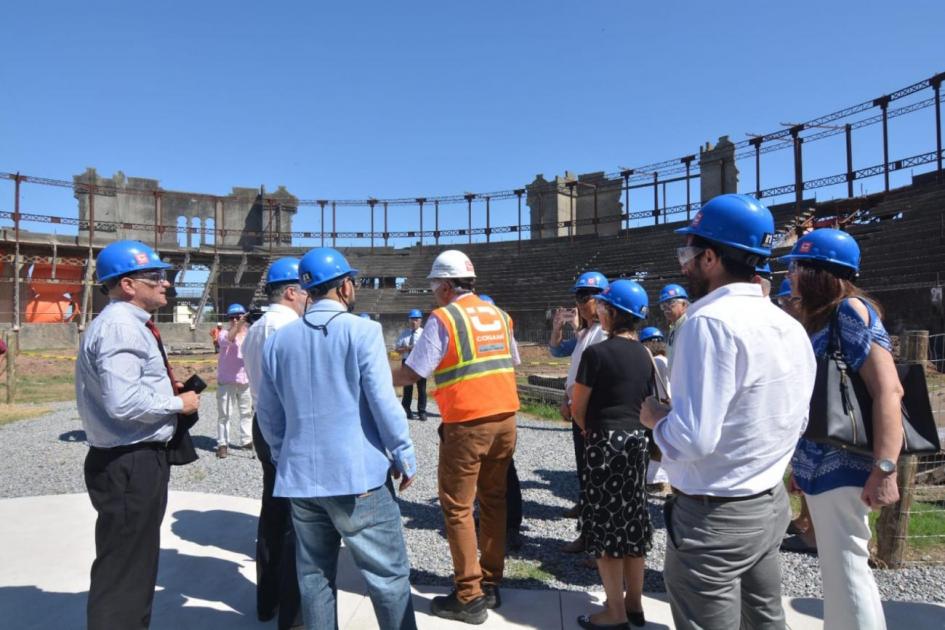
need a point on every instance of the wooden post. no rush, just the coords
(892, 526)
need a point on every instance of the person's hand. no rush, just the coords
(880, 490)
(652, 411)
(191, 402)
(565, 411)
(558, 320)
(405, 483)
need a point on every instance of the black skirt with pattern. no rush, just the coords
(614, 519)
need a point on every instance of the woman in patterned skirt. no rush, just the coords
(613, 379)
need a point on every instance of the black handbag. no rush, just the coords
(841, 408)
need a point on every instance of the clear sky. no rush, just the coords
(394, 99)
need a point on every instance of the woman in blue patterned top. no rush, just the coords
(842, 487)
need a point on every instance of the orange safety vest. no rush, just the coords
(476, 377)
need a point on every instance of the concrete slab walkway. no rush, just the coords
(207, 575)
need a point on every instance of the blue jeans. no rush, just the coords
(370, 526)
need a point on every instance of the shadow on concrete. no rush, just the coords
(77, 435)
(916, 614)
(204, 443)
(232, 531)
(27, 607)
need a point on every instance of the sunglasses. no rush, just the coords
(151, 277)
(687, 254)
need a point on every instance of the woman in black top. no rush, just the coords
(613, 379)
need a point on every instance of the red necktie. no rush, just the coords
(157, 335)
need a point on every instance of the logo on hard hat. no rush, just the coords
(671, 292)
(696, 220)
(306, 277)
(469, 266)
(141, 259)
(767, 239)
(805, 247)
(592, 280)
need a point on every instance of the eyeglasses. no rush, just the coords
(667, 306)
(687, 254)
(151, 277)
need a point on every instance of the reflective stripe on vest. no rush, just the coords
(470, 366)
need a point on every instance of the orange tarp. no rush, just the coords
(48, 303)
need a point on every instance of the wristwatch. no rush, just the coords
(887, 466)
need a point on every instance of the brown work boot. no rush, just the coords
(221, 452)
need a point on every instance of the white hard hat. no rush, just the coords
(452, 264)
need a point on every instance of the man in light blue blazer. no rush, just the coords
(337, 432)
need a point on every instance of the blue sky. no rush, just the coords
(357, 99)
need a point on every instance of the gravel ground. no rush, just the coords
(44, 456)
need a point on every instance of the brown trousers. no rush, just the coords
(474, 461)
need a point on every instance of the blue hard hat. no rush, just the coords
(283, 270)
(590, 280)
(651, 332)
(486, 298)
(321, 265)
(124, 257)
(763, 270)
(672, 292)
(235, 310)
(827, 245)
(415, 314)
(785, 288)
(737, 221)
(627, 296)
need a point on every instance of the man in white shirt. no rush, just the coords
(405, 343)
(277, 586)
(741, 389)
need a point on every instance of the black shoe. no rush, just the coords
(492, 595)
(513, 540)
(636, 618)
(422, 416)
(585, 622)
(267, 615)
(409, 414)
(449, 607)
(797, 544)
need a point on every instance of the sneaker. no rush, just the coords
(449, 607)
(492, 595)
(221, 452)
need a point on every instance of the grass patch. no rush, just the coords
(13, 413)
(541, 410)
(926, 526)
(526, 570)
(42, 388)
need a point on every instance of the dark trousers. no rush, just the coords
(128, 489)
(421, 396)
(578, 438)
(513, 499)
(277, 584)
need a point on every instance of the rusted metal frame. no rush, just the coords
(436, 222)
(626, 173)
(420, 201)
(518, 194)
(936, 83)
(205, 295)
(488, 226)
(883, 103)
(469, 199)
(688, 162)
(17, 263)
(656, 198)
(371, 204)
(321, 203)
(848, 132)
(334, 224)
(795, 132)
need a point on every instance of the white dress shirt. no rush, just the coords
(408, 339)
(585, 338)
(275, 318)
(741, 388)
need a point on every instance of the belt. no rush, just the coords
(706, 498)
(128, 448)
